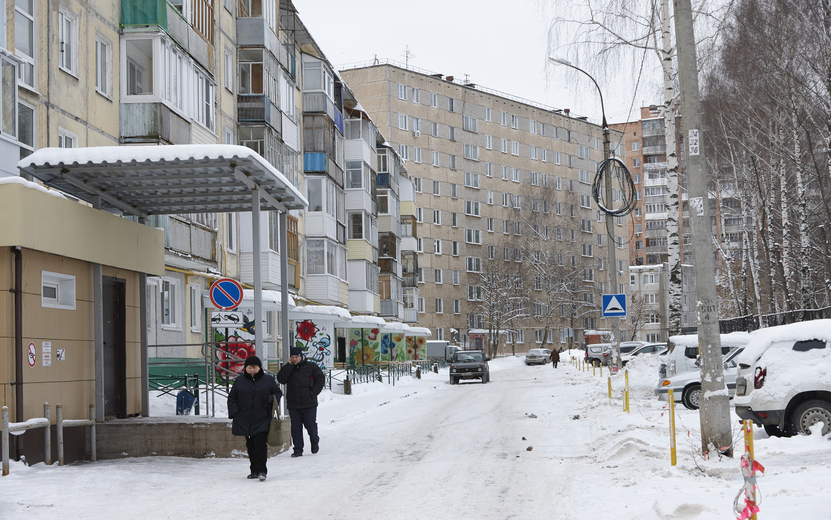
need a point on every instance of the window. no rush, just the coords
(586, 249)
(421, 303)
(473, 236)
(437, 217)
(489, 198)
(231, 232)
(417, 184)
(204, 108)
(454, 191)
(539, 335)
(582, 151)
(636, 162)
(585, 201)
(472, 208)
(533, 152)
(417, 155)
(67, 139)
(435, 159)
(434, 129)
(139, 67)
(454, 247)
(489, 169)
(636, 145)
(471, 152)
(457, 306)
(454, 219)
(585, 176)
(470, 124)
(437, 276)
(169, 306)
(503, 145)
(474, 292)
(514, 174)
(103, 64)
(439, 306)
(25, 41)
(472, 180)
(473, 264)
(514, 121)
(487, 114)
(419, 246)
(402, 122)
(452, 162)
(26, 128)
(434, 100)
(437, 247)
(490, 225)
(488, 142)
(195, 292)
(455, 277)
(402, 92)
(514, 148)
(415, 95)
(532, 126)
(504, 173)
(436, 188)
(57, 291)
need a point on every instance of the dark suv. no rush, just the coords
(469, 364)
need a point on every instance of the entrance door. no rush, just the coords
(115, 347)
(341, 350)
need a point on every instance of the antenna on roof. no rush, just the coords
(407, 56)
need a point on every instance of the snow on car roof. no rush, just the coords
(803, 331)
(734, 339)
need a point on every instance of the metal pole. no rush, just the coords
(59, 420)
(258, 275)
(92, 440)
(98, 320)
(5, 449)
(714, 405)
(47, 436)
(284, 287)
(145, 369)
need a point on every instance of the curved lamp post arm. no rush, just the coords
(560, 61)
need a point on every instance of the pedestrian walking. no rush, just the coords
(555, 357)
(250, 405)
(304, 380)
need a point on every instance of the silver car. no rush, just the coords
(538, 356)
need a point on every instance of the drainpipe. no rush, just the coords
(18, 339)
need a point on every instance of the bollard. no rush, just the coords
(347, 387)
(436, 368)
(594, 367)
(5, 440)
(609, 379)
(59, 421)
(626, 394)
(47, 437)
(418, 372)
(601, 369)
(751, 503)
(671, 408)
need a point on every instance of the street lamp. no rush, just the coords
(607, 152)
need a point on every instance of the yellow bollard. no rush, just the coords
(609, 379)
(671, 412)
(601, 369)
(626, 395)
(747, 427)
(593, 368)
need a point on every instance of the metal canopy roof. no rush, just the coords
(157, 180)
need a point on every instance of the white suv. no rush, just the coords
(784, 378)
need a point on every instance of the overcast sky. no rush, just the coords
(498, 45)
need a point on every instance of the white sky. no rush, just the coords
(501, 46)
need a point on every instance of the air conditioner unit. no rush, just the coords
(416, 133)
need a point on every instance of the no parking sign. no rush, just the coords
(226, 294)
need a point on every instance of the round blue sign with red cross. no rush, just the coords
(226, 294)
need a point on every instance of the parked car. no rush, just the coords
(783, 378)
(538, 356)
(598, 353)
(649, 348)
(469, 364)
(687, 386)
(628, 346)
(682, 352)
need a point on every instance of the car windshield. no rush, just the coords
(536, 352)
(468, 357)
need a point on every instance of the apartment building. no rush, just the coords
(498, 183)
(649, 302)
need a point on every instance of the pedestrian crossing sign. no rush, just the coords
(614, 305)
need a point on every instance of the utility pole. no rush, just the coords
(714, 404)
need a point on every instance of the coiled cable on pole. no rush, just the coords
(611, 166)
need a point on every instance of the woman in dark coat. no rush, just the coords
(250, 405)
(555, 357)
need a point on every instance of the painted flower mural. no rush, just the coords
(313, 341)
(306, 330)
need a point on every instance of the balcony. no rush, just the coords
(152, 123)
(255, 32)
(318, 102)
(660, 181)
(392, 308)
(650, 131)
(144, 12)
(655, 150)
(655, 165)
(257, 108)
(388, 265)
(190, 241)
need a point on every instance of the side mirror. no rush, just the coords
(487, 359)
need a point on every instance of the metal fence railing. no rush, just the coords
(754, 322)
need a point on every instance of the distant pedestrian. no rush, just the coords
(250, 405)
(555, 357)
(304, 380)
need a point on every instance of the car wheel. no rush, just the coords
(453, 380)
(690, 397)
(485, 379)
(810, 413)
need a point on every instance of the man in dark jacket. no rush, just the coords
(250, 404)
(304, 380)
(555, 357)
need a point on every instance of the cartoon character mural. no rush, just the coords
(315, 340)
(235, 345)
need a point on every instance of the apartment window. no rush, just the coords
(457, 306)
(503, 145)
(434, 100)
(474, 292)
(533, 152)
(415, 95)
(472, 208)
(419, 247)
(68, 42)
(453, 191)
(586, 250)
(421, 305)
(582, 151)
(26, 128)
(402, 92)
(489, 198)
(472, 180)
(439, 306)
(455, 277)
(57, 291)
(434, 129)
(585, 176)
(514, 174)
(454, 219)
(489, 169)
(437, 247)
(490, 225)
(231, 232)
(437, 217)
(471, 152)
(504, 173)
(506, 226)
(473, 264)
(539, 335)
(636, 145)
(417, 183)
(543, 155)
(451, 104)
(229, 70)
(195, 293)
(437, 276)
(473, 236)
(204, 103)
(452, 162)
(514, 121)
(25, 41)
(435, 158)
(417, 155)
(488, 142)
(436, 188)
(470, 124)
(67, 139)
(103, 64)
(416, 127)
(402, 122)
(169, 305)
(454, 248)
(487, 114)
(514, 148)
(636, 162)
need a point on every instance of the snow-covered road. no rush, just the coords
(427, 449)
